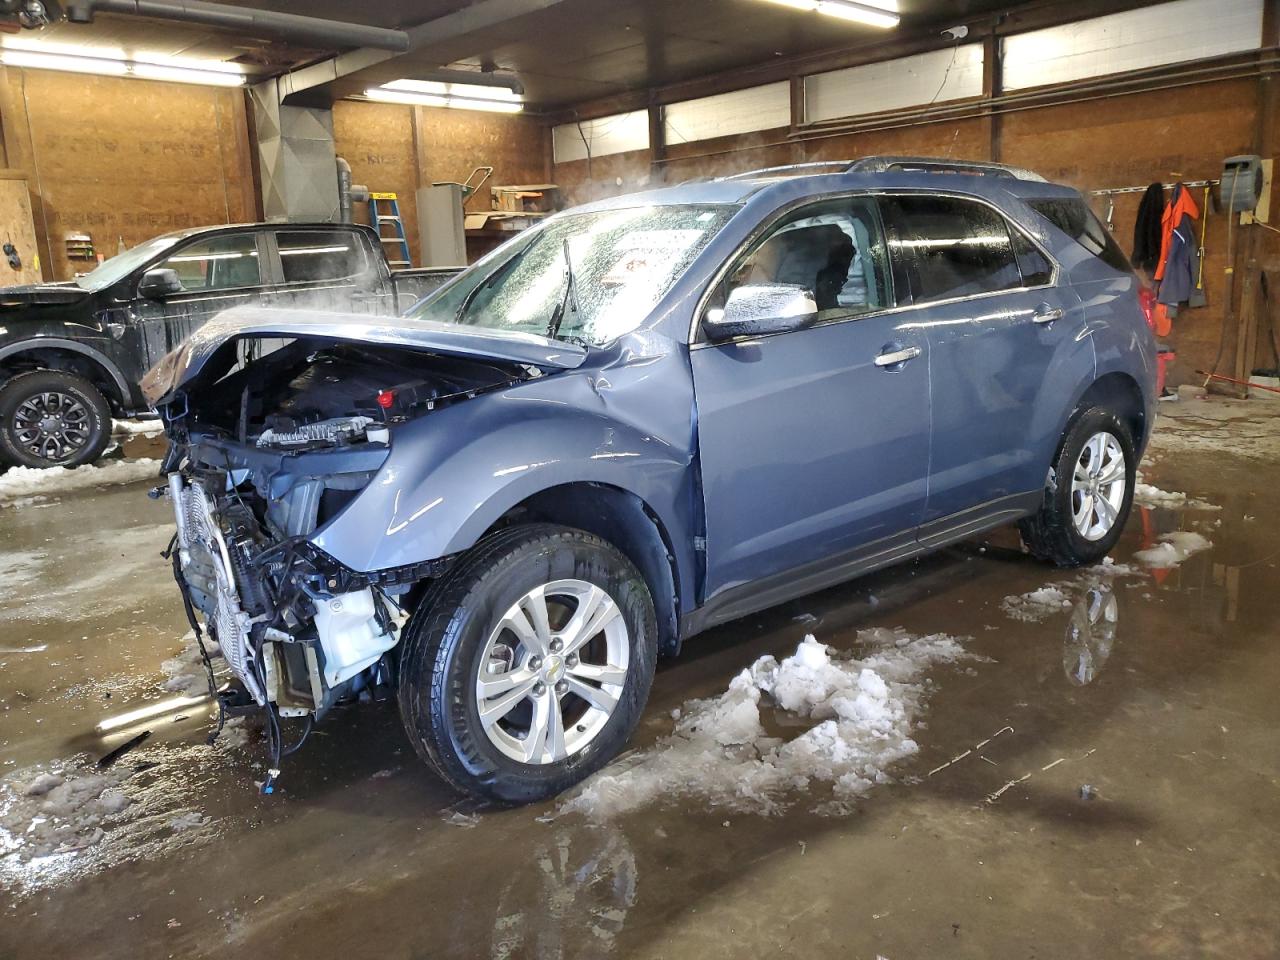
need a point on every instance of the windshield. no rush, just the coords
(589, 277)
(121, 265)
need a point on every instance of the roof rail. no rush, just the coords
(836, 166)
(940, 165)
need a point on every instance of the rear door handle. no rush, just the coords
(1046, 314)
(892, 358)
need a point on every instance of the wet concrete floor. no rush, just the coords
(1137, 722)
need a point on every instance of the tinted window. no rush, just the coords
(945, 247)
(833, 249)
(1076, 220)
(220, 263)
(308, 255)
(1036, 269)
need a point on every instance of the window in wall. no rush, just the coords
(954, 73)
(947, 247)
(311, 255)
(620, 133)
(833, 249)
(727, 114)
(219, 263)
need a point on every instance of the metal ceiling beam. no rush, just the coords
(335, 78)
(263, 24)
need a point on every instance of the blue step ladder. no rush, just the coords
(390, 216)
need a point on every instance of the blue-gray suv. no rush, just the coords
(647, 416)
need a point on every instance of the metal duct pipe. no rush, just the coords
(266, 24)
(344, 191)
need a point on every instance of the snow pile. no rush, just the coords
(857, 715)
(25, 481)
(185, 673)
(1172, 549)
(60, 812)
(1036, 605)
(1146, 495)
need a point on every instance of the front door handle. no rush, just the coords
(892, 358)
(1046, 314)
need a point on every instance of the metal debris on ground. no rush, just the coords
(976, 746)
(993, 797)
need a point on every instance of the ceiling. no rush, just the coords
(568, 52)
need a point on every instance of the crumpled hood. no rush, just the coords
(38, 294)
(447, 339)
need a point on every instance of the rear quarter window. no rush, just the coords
(1074, 218)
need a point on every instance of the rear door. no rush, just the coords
(814, 443)
(328, 269)
(217, 272)
(1005, 337)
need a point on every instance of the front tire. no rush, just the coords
(51, 418)
(527, 667)
(1089, 494)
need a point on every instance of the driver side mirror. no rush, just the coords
(757, 310)
(160, 283)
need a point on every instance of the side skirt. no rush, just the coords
(740, 601)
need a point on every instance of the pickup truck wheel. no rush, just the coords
(527, 667)
(1088, 500)
(51, 418)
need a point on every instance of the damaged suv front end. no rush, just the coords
(279, 421)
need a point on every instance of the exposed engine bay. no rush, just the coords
(268, 454)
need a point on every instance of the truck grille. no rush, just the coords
(203, 545)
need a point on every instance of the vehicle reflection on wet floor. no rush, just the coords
(1098, 779)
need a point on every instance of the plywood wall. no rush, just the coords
(17, 227)
(124, 159)
(395, 148)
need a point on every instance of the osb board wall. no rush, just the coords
(125, 159)
(1134, 140)
(1130, 140)
(17, 227)
(397, 148)
(377, 140)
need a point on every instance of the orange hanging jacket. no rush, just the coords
(1180, 204)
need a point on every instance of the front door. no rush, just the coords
(1005, 341)
(217, 273)
(814, 444)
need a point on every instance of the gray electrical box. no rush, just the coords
(440, 225)
(1241, 183)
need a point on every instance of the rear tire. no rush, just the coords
(51, 418)
(1089, 495)
(550, 634)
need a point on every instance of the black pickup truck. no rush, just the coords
(71, 354)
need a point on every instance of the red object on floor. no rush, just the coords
(1163, 359)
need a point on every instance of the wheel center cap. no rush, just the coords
(553, 669)
(50, 424)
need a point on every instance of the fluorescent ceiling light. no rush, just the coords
(215, 78)
(445, 100)
(475, 91)
(113, 63)
(872, 14)
(57, 61)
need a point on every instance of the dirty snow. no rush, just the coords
(858, 714)
(1172, 549)
(1147, 495)
(1061, 595)
(185, 672)
(26, 481)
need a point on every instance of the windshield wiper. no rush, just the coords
(489, 281)
(570, 298)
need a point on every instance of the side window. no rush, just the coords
(946, 247)
(832, 249)
(310, 255)
(1036, 269)
(219, 263)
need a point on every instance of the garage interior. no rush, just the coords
(1096, 773)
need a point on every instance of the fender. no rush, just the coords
(453, 473)
(57, 343)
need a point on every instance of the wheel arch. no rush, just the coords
(55, 353)
(624, 520)
(1122, 395)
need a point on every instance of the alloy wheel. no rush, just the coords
(1098, 484)
(552, 671)
(52, 425)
